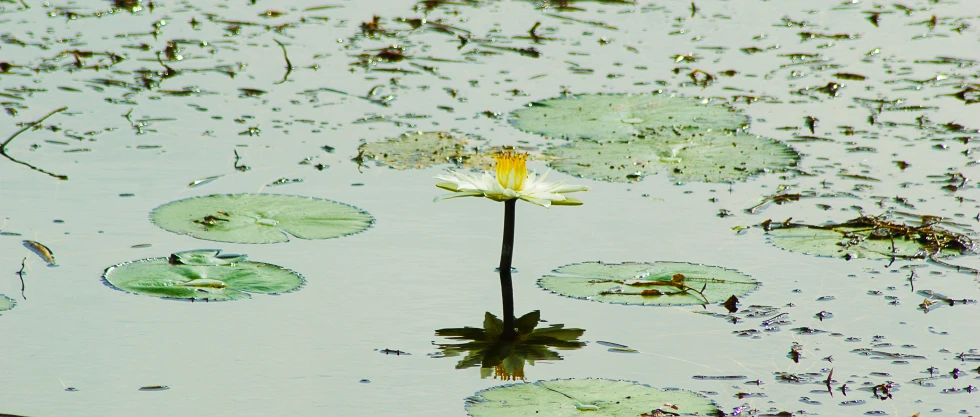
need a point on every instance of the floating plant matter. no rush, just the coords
(260, 218)
(623, 138)
(201, 275)
(641, 283)
(601, 397)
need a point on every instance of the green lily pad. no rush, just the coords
(592, 397)
(201, 275)
(870, 237)
(424, 149)
(260, 218)
(604, 117)
(6, 303)
(641, 283)
(697, 157)
(623, 138)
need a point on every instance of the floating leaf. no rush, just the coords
(870, 237)
(425, 149)
(206, 275)
(603, 117)
(6, 303)
(573, 397)
(623, 138)
(703, 157)
(260, 218)
(641, 283)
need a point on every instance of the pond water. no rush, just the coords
(161, 95)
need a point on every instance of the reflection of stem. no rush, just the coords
(23, 264)
(506, 258)
(3, 146)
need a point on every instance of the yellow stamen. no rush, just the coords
(511, 169)
(501, 373)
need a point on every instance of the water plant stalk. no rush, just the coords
(506, 258)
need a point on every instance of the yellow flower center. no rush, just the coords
(501, 373)
(511, 169)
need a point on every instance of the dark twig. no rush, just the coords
(3, 146)
(289, 65)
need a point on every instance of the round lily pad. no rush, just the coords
(690, 157)
(642, 283)
(201, 275)
(6, 303)
(604, 117)
(260, 218)
(425, 149)
(624, 137)
(871, 238)
(592, 397)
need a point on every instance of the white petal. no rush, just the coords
(457, 195)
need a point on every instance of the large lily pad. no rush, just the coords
(201, 275)
(592, 397)
(603, 117)
(260, 218)
(642, 283)
(6, 303)
(870, 237)
(700, 157)
(623, 138)
(425, 149)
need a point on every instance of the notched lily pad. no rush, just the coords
(599, 397)
(6, 303)
(623, 138)
(697, 157)
(424, 149)
(603, 117)
(260, 218)
(872, 237)
(418, 150)
(203, 274)
(642, 283)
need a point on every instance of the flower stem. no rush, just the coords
(506, 258)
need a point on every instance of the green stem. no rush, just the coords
(506, 258)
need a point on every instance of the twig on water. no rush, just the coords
(3, 146)
(289, 65)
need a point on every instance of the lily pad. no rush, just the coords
(201, 275)
(424, 149)
(624, 137)
(604, 117)
(642, 283)
(870, 237)
(693, 157)
(260, 218)
(597, 397)
(6, 303)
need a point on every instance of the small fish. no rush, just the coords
(41, 251)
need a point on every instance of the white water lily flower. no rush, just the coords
(512, 181)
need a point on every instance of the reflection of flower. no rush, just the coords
(512, 181)
(505, 359)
